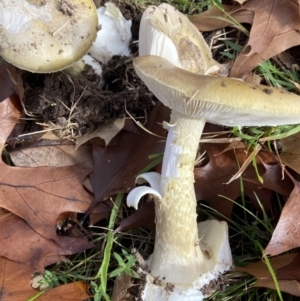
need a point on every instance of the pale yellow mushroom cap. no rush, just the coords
(218, 100)
(46, 36)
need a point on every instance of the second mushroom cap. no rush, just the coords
(46, 37)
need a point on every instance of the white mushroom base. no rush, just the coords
(214, 244)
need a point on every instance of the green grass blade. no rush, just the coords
(102, 273)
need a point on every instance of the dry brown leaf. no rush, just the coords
(264, 278)
(117, 165)
(273, 179)
(15, 281)
(19, 242)
(214, 18)
(121, 286)
(7, 86)
(40, 194)
(290, 271)
(15, 285)
(211, 179)
(4, 213)
(286, 235)
(271, 18)
(55, 155)
(101, 210)
(245, 63)
(144, 217)
(75, 291)
(275, 28)
(289, 61)
(106, 132)
(290, 154)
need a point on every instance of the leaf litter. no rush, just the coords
(275, 27)
(40, 194)
(126, 152)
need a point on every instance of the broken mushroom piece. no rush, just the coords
(46, 36)
(183, 260)
(166, 32)
(114, 36)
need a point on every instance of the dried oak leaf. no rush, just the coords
(272, 18)
(15, 281)
(275, 28)
(19, 242)
(286, 235)
(100, 211)
(7, 86)
(39, 195)
(264, 279)
(117, 165)
(290, 153)
(54, 154)
(214, 18)
(105, 132)
(211, 179)
(75, 291)
(122, 284)
(290, 271)
(15, 285)
(144, 217)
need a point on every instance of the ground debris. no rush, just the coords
(77, 105)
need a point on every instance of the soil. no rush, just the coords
(84, 102)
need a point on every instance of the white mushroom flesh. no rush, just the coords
(114, 36)
(46, 37)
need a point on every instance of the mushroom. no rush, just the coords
(195, 99)
(46, 36)
(187, 259)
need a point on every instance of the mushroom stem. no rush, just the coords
(177, 257)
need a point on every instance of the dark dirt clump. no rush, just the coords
(86, 101)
